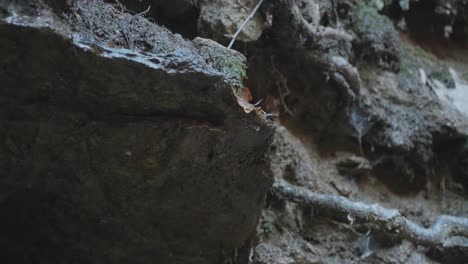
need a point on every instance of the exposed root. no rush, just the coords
(144, 12)
(283, 88)
(340, 70)
(121, 6)
(324, 32)
(283, 94)
(337, 67)
(447, 232)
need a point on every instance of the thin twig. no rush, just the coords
(284, 94)
(245, 23)
(139, 14)
(337, 17)
(127, 40)
(122, 7)
(282, 83)
(144, 12)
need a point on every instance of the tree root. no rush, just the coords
(447, 232)
(290, 24)
(339, 69)
(283, 88)
(324, 32)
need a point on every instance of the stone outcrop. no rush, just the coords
(121, 142)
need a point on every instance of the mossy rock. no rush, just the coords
(378, 41)
(230, 63)
(415, 58)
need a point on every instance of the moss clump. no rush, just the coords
(413, 59)
(233, 67)
(378, 40)
(267, 225)
(229, 62)
(377, 4)
(370, 22)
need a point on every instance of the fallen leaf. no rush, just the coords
(245, 94)
(248, 107)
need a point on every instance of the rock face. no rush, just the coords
(121, 142)
(220, 20)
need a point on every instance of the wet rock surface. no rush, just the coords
(122, 142)
(219, 20)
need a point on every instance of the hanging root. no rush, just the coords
(447, 232)
(283, 88)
